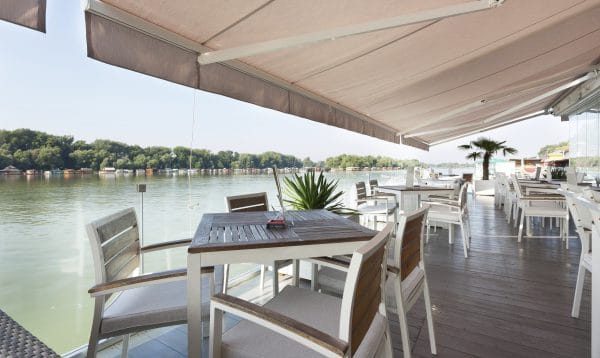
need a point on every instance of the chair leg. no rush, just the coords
(216, 332)
(262, 276)
(296, 272)
(578, 290)
(431, 330)
(427, 232)
(402, 319)
(521, 225)
(465, 239)
(225, 278)
(94, 335)
(450, 234)
(275, 279)
(125, 346)
(314, 283)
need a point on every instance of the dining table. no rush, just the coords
(410, 197)
(241, 237)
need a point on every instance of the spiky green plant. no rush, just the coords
(486, 148)
(305, 192)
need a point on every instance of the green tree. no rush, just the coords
(49, 158)
(486, 148)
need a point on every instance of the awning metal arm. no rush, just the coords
(345, 31)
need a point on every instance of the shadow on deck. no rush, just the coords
(505, 300)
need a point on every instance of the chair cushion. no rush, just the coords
(443, 215)
(247, 339)
(331, 280)
(153, 306)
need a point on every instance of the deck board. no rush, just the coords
(505, 300)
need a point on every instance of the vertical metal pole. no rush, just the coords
(141, 188)
(142, 233)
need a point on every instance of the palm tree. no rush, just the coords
(486, 148)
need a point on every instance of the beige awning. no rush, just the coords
(420, 84)
(28, 13)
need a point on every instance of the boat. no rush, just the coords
(140, 172)
(107, 170)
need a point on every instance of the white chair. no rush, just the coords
(144, 301)
(406, 279)
(548, 203)
(248, 203)
(374, 187)
(584, 224)
(452, 212)
(374, 206)
(300, 322)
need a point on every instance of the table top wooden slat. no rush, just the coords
(247, 230)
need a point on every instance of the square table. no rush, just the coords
(228, 238)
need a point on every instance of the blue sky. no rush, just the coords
(47, 83)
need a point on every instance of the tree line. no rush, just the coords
(29, 149)
(348, 160)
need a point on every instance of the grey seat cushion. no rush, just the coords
(247, 339)
(154, 305)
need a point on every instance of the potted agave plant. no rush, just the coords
(307, 192)
(485, 148)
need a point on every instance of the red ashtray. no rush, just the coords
(276, 223)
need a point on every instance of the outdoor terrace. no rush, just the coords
(505, 300)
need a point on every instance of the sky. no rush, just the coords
(47, 83)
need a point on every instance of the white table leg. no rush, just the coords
(595, 299)
(194, 297)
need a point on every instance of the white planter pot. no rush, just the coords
(484, 187)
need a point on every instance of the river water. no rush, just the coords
(45, 261)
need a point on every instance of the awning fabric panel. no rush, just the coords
(418, 84)
(114, 43)
(28, 13)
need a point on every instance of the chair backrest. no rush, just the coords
(458, 183)
(361, 190)
(408, 247)
(373, 184)
(115, 243)
(516, 186)
(571, 176)
(462, 196)
(538, 171)
(247, 202)
(364, 289)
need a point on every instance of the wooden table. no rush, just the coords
(410, 197)
(228, 238)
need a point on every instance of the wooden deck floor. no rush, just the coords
(505, 300)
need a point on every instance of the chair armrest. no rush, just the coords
(330, 262)
(166, 245)
(141, 280)
(529, 190)
(438, 203)
(543, 197)
(392, 268)
(441, 200)
(289, 327)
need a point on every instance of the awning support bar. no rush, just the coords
(345, 31)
